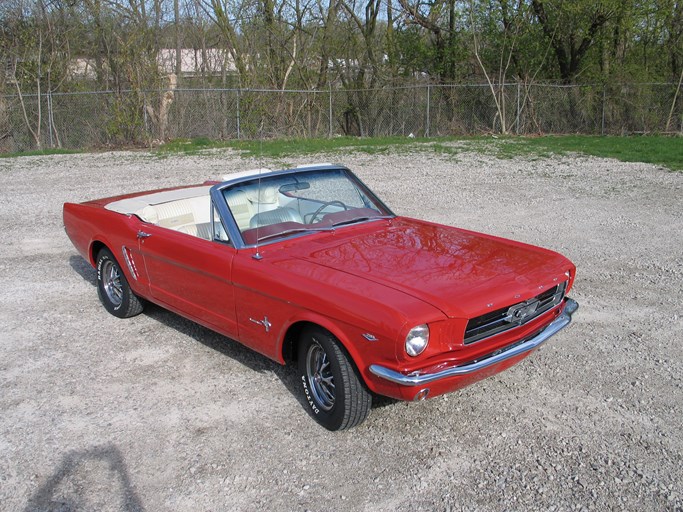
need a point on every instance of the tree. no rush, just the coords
(505, 51)
(571, 29)
(228, 17)
(440, 19)
(35, 41)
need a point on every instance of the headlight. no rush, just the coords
(417, 340)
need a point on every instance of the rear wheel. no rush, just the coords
(113, 288)
(336, 396)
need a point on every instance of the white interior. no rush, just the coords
(187, 209)
(245, 204)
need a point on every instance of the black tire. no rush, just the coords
(337, 397)
(113, 288)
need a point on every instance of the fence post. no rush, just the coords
(50, 120)
(519, 113)
(330, 107)
(429, 93)
(238, 115)
(145, 121)
(602, 122)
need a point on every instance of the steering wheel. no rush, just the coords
(316, 213)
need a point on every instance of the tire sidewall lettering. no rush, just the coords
(309, 398)
(351, 402)
(100, 263)
(99, 269)
(130, 304)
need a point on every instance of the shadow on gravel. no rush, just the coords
(380, 401)
(68, 487)
(219, 343)
(227, 347)
(83, 269)
(245, 356)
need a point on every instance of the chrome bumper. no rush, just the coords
(516, 349)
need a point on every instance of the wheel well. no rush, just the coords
(290, 344)
(95, 248)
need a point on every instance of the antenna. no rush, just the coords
(257, 254)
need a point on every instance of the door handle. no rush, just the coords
(142, 234)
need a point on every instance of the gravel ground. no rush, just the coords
(157, 413)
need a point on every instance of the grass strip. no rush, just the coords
(666, 151)
(40, 152)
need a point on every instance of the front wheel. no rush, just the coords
(113, 288)
(336, 396)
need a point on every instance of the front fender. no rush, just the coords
(360, 349)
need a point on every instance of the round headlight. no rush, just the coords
(417, 340)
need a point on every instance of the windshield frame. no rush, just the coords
(218, 190)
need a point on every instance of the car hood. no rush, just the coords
(460, 272)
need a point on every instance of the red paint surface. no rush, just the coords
(381, 277)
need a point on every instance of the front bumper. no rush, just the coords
(416, 378)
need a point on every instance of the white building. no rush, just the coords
(193, 62)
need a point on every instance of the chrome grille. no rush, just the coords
(514, 315)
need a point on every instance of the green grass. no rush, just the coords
(190, 146)
(660, 150)
(38, 152)
(279, 148)
(653, 149)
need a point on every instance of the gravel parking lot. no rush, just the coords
(157, 413)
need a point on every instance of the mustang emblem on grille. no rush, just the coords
(520, 312)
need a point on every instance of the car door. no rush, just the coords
(262, 313)
(191, 275)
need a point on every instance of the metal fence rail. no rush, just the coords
(106, 119)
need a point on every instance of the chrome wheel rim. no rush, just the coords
(320, 378)
(111, 281)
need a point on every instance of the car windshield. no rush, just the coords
(274, 207)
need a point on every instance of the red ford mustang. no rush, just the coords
(308, 265)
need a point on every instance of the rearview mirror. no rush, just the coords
(291, 187)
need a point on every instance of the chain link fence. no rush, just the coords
(113, 119)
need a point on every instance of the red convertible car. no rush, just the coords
(307, 265)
